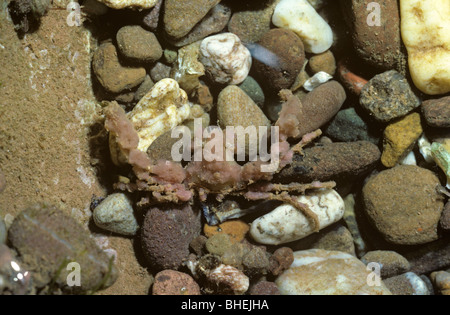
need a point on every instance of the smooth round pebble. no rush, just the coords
(218, 244)
(392, 264)
(264, 288)
(254, 90)
(171, 282)
(116, 214)
(138, 44)
(323, 62)
(437, 112)
(407, 284)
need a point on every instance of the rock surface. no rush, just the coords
(403, 204)
(321, 272)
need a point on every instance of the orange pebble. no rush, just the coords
(236, 229)
(352, 81)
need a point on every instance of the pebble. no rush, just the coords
(425, 28)
(160, 71)
(226, 59)
(236, 229)
(218, 244)
(2, 182)
(320, 106)
(116, 214)
(348, 126)
(407, 284)
(403, 204)
(441, 280)
(167, 233)
(236, 108)
(353, 82)
(170, 56)
(251, 25)
(264, 288)
(337, 238)
(256, 262)
(198, 245)
(316, 80)
(400, 138)
(114, 77)
(181, 16)
(281, 260)
(392, 264)
(321, 272)
(300, 17)
(214, 22)
(352, 224)
(234, 256)
(339, 161)
(388, 96)
(286, 223)
(144, 88)
(47, 240)
(441, 155)
(171, 282)
(430, 257)
(138, 44)
(203, 97)
(151, 20)
(382, 47)
(254, 90)
(3, 232)
(409, 159)
(445, 218)
(437, 112)
(121, 4)
(278, 58)
(323, 62)
(188, 69)
(229, 280)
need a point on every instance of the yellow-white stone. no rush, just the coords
(121, 4)
(425, 27)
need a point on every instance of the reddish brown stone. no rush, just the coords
(171, 282)
(437, 112)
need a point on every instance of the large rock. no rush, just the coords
(403, 204)
(321, 272)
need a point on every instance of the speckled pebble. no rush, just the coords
(407, 284)
(159, 71)
(116, 214)
(445, 217)
(264, 288)
(437, 112)
(441, 279)
(323, 62)
(254, 90)
(144, 88)
(281, 260)
(236, 229)
(171, 282)
(256, 262)
(337, 238)
(218, 244)
(392, 264)
(138, 44)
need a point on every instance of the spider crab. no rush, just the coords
(168, 181)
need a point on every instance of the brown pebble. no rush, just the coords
(323, 62)
(202, 96)
(236, 229)
(171, 282)
(445, 217)
(281, 260)
(437, 112)
(264, 288)
(2, 182)
(198, 245)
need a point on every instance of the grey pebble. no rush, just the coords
(254, 90)
(407, 284)
(159, 71)
(393, 264)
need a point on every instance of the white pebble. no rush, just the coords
(410, 159)
(425, 149)
(300, 17)
(318, 79)
(225, 58)
(286, 223)
(121, 4)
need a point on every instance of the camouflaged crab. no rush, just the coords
(166, 106)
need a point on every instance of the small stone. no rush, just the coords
(138, 44)
(425, 28)
(445, 217)
(251, 25)
(321, 272)
(2, 182)
(392, 264)
(253, 89)
(226, 59)
(151, 20)
(437, 112)
(114, 77)
(388, 96)
(348, 126)
(180, 16)
(198, 245)
(441, 279)
(171, 282)
(48, 240)
(214, 22)
(381, 48)
(287, 224)
(407, 284)
(338, 238)
(441, 155)
(316, 80)
(234, 256)
(166, 235)
(160, 71)
(278, 58)
(144, 88)
(170, 56)
(229, 280)
(116, 214)
(320, 106)
(125, 98)
(323, 62)
(121, 4)
(281, 260)
(264, 288)
(218, 244)
(339, 161)
(203, 97)
(3, 232)
(430, 257)
(300, 17)
(400, 138)
(187, 69)
(352, 224)
(256, 262)
(236, 229)
(403, 204)
(302, 77)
